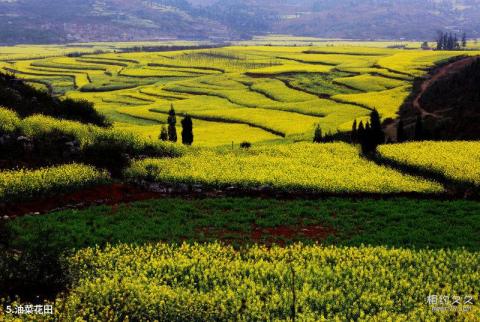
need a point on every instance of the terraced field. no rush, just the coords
(234, 94)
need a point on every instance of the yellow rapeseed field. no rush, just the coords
(307, 283)
(459, 161)
(329, 168)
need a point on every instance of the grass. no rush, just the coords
(328, 168)
(348, 222)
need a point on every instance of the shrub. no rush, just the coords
(26, 100)
(245, 145)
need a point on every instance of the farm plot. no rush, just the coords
(278, 89)
(328, 168)
(329, 282)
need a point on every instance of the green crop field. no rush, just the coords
(254, 93)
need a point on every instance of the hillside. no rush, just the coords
(449, 102)
(30, 21)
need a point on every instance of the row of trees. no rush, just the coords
(449, 41)
(169, 133)
(370, 134)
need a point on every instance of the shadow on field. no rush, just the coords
(454, 188)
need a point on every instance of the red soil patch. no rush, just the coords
(269, 235)
(112, 194)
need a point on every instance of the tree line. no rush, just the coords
(450, 41)
(370, 134)
(169, 131)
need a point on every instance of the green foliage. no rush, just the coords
(87, 135)
(25, 100)
(317, 135)
(172, 121)
(163, 134)
(187, 130)
(392, 222)
(9, 121)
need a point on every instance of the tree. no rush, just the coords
(172, 122)
(360, 132)
(401, 136)
(164, 134)
(464, 40)
(456, 45)
(440, 41)
(419, 132)
(425, 45)
(187, 130)
(317, 135)
(354, 135)
(377, 135)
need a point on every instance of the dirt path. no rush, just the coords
(111, 195)
(442, 72)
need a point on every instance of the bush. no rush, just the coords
(50, 136)
(26, 101)
(245, 145)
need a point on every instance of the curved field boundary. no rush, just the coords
(327, 97)
(108, 88)
(38, 81)
(101, 62)
(320, 52)
(67, 66)
(454, 188)
(186, 67)
(305, 62)
(229, 99)
(393, 70)
(223, 120)
(15, 71)
(142, 91)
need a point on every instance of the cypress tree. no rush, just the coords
(377, 135)
(464, 40)
(456, 45)
(187, 130)
(172, 122)
(317, 135)
(401, 136)
(440, 41)
(360, 132)
(164, 134)
(445, 42)
(354, 132)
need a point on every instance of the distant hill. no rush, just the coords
(34, 21)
